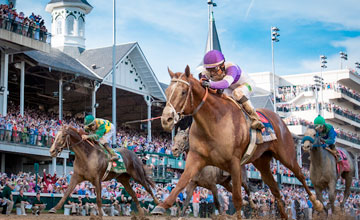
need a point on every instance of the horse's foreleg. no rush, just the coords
(236, 189)
(319, 196)
(332, 195)
(348, 180)
(189, 190)
(75, 179)
(194, 163)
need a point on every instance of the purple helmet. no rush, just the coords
(213, 58)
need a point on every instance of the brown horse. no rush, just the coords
(208, 177)
(219, 136)
(323, 172)
(91, 163)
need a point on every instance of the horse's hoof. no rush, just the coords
(181, 218)
(318, 206)
(158, 210)
(52, 210)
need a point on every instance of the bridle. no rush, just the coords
(179, 115)
(67, 143)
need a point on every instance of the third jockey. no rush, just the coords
(228, 76)
(100, 130)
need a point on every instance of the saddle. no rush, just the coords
(256, 136)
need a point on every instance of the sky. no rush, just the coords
(173, 33)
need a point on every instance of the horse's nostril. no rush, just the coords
(170, 119)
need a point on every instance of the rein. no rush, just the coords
(180, 114)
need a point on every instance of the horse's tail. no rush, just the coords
(148, 180)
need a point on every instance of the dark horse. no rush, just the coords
(208, 177)
(220, 135)
(91, 163)
(323, 172)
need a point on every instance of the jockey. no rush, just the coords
(327, 134)
(228, 76)
(100, 130)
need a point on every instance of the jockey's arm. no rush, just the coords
(98, 133)
(331, 137)
(231, 73)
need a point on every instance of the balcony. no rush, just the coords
(27, 144)
(339, 115)
(16, 37)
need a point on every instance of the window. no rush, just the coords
(70, 25)
(81, 27)
(59, 25)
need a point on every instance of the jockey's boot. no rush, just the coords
(255, 119)
(338, 157)
(113, 155)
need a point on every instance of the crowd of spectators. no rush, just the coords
(341, 133)
(32, 26)
(286, 93)
(39, 128)
(117, 201)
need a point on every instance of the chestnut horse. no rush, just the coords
(220, 135)
(91, 163)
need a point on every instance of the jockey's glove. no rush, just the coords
(205, 84)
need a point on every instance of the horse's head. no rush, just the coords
(179, 99)
(181, 142)
(62, 139)
(310, 138)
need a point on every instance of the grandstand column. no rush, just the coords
(60, 98)
(298, 149)
(53, 165)
(22, 85)
(5, 83)
(148, 103)
(64, 167)
(93, 102)
(357, 166)
(3, 163)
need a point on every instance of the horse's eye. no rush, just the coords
(183, 93)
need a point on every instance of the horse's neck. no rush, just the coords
(80, 151)
(213, 111)
(317, 158)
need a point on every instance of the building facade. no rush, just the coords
(338, 102)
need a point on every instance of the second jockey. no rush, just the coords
(100, 130)
(228, 76)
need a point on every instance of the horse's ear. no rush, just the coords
(187, 130)
(171, 73)
(187, 71)
(178, 130)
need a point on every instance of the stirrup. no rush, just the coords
(257, 125)
(113, 158)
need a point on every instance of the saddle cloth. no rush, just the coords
(267, 133)
(116, 166)
(343, 165)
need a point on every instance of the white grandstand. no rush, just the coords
(296, 103)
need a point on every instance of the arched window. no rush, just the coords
(81, 27)
(70, 25)
(58, 25)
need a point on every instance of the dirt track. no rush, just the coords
(46, 216)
